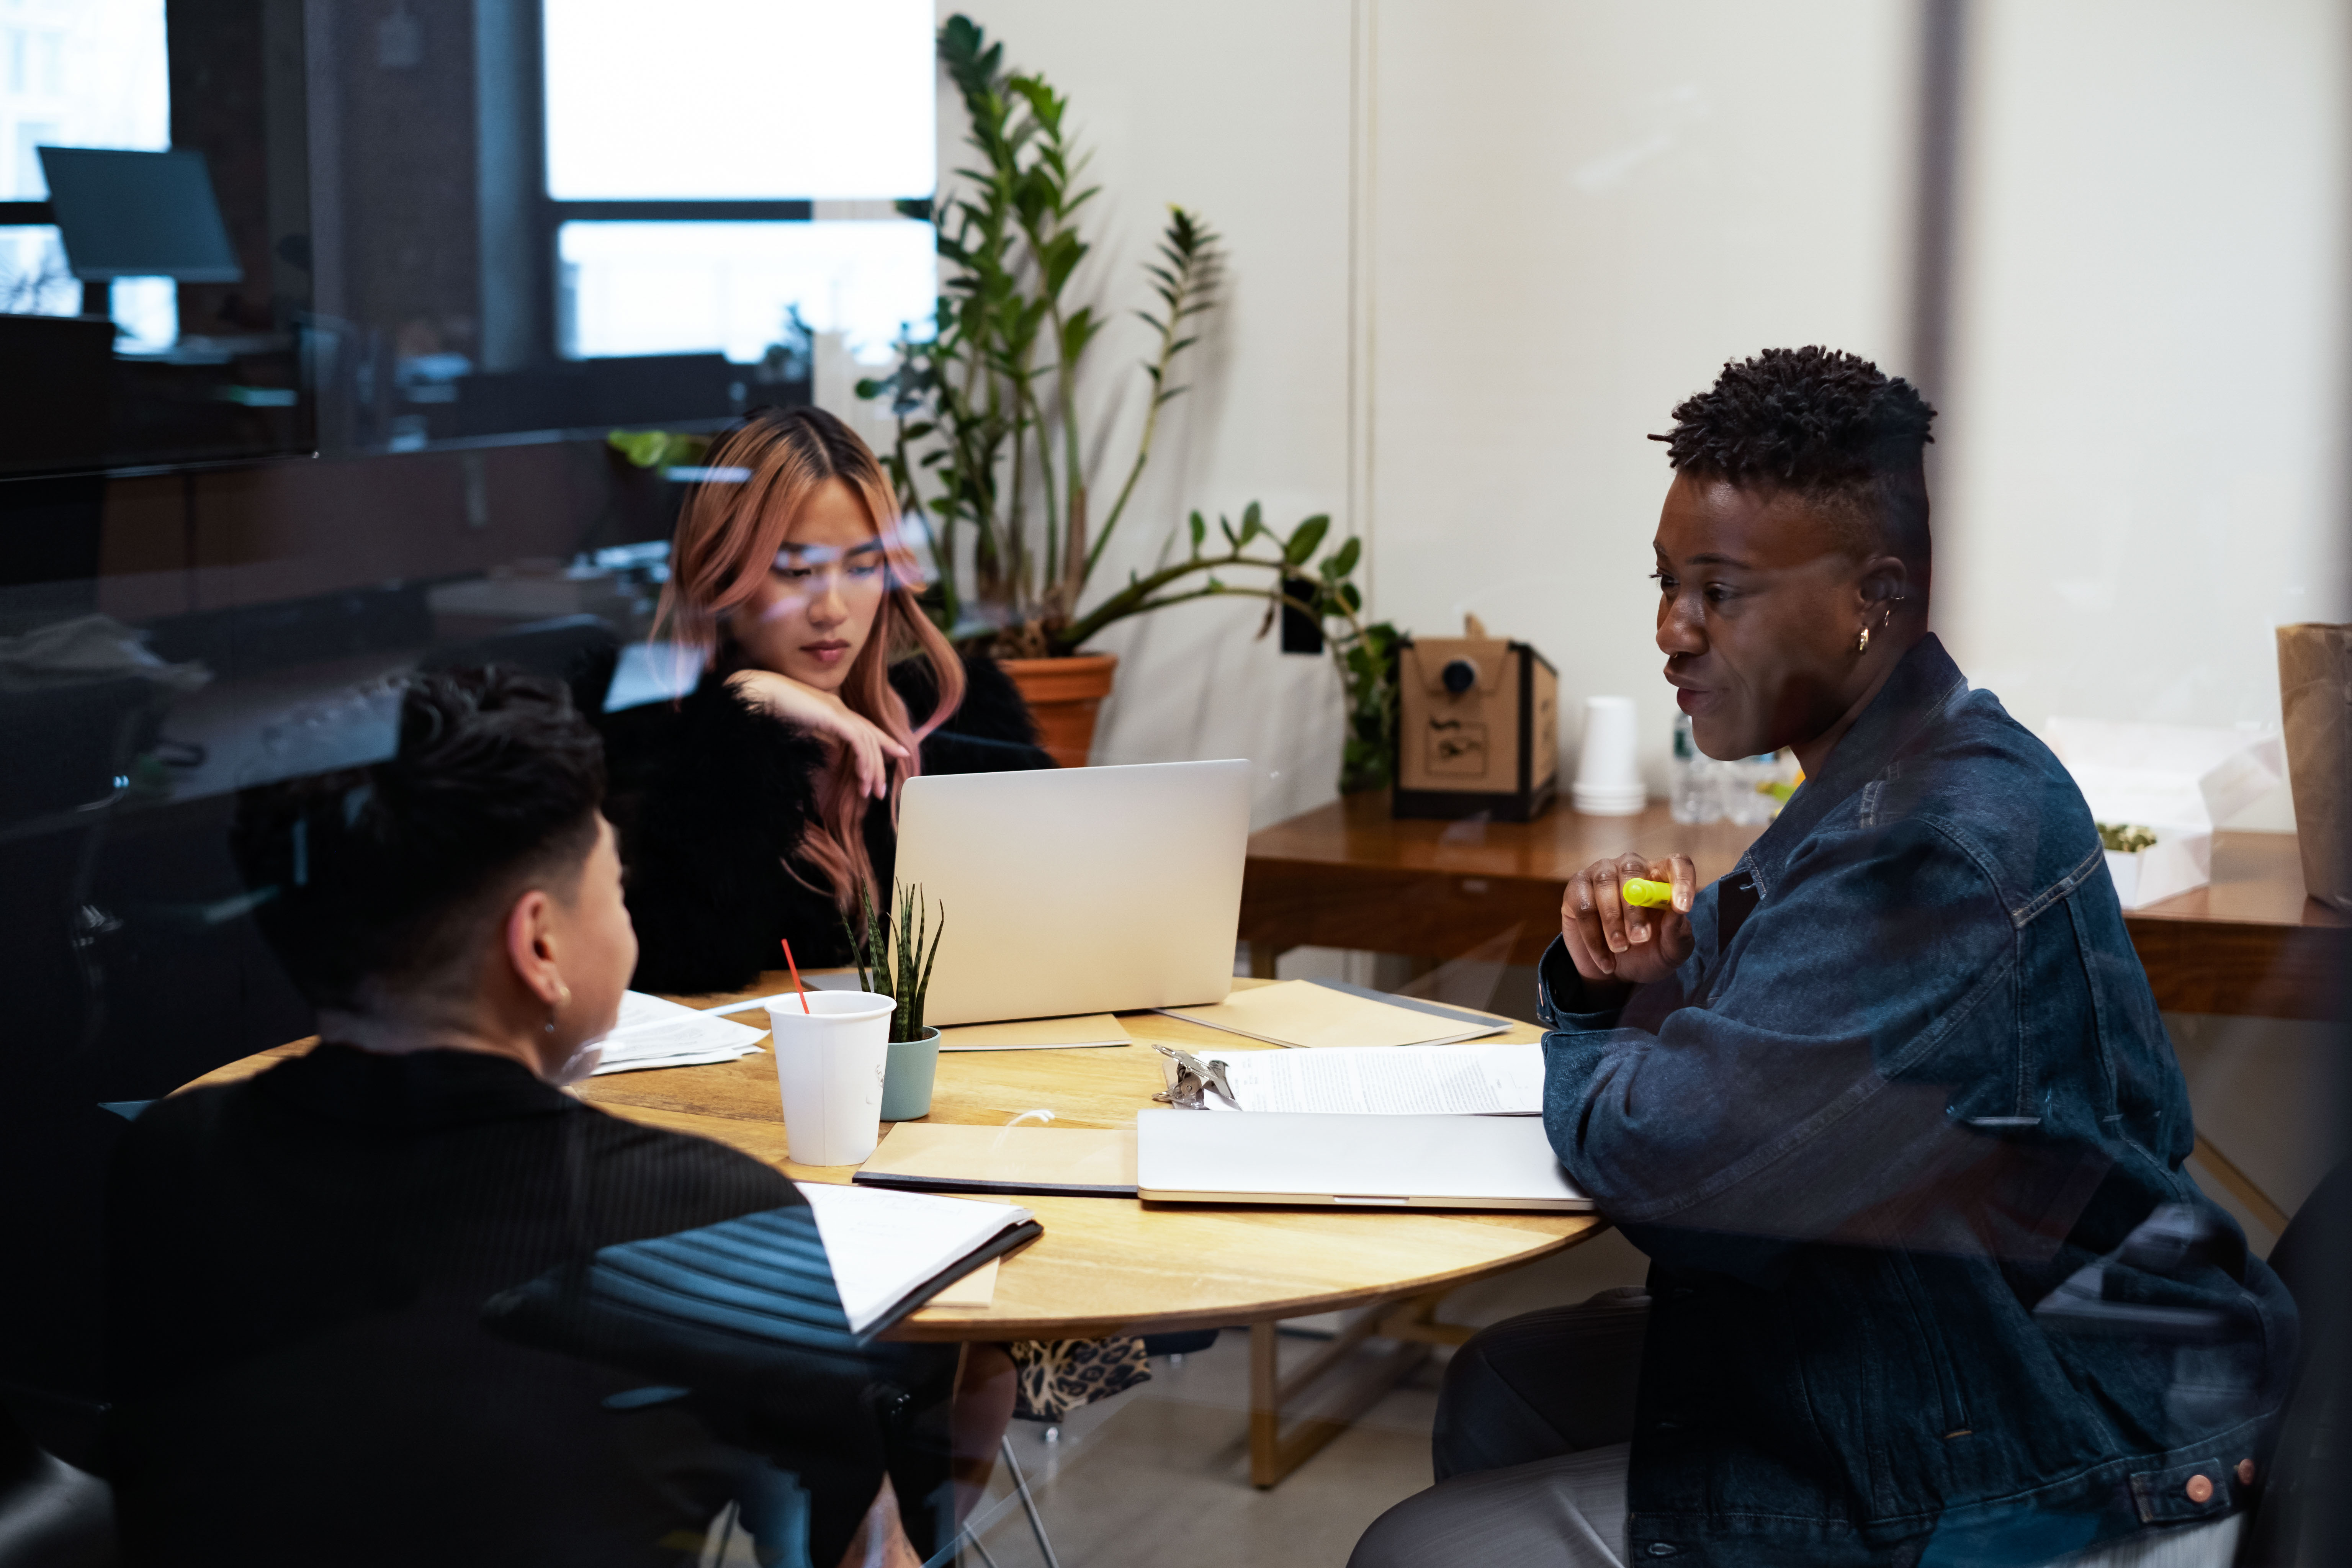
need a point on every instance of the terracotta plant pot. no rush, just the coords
(1062, 695)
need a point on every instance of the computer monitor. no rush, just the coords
(138, 215)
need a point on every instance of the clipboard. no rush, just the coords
(1070, 1162)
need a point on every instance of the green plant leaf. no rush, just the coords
(1304, 539)
(1200, 532)
(1343, 560)
(1077, 331)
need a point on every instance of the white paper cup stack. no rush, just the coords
(830, 1061)
(1608, 780)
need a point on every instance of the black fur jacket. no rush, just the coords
(709, 838)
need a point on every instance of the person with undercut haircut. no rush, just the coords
(401, 1300)
(1889, 1106)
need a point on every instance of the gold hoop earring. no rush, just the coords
(1861, 643)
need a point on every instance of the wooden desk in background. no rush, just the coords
(1114, 1266)
(1347, 875)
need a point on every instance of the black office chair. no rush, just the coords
(2303, 1515)
(51, 1515)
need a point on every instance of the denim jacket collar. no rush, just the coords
(1923, 683)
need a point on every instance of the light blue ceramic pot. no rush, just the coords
(907, 1083)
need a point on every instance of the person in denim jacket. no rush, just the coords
(1890, 1107)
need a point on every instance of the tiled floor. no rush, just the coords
(1159, 1475)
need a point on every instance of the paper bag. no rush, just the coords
(2315, 698)
(2173, 779)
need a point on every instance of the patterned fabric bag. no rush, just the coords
(1059, 1375)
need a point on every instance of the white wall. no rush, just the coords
(2144, 469)
(1582, 208)
(1479, 250)
(1239, 111)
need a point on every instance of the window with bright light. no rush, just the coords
(740, 99)
(683, 164)
(78, 73)
(690, 287)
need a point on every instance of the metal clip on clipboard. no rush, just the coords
(1195, 1079)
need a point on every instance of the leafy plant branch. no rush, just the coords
(1365, 653)
(1186, 281)
(991, 438)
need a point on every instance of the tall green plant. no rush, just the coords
(991, 447)
(894, 954)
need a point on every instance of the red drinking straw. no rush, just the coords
(796, 973)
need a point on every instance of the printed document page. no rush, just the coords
(1391, 1080)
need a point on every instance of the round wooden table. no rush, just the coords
(1117, 1266)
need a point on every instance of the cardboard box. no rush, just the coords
(1477, 729)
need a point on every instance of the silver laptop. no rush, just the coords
(1369, 1161)
(1078, 890)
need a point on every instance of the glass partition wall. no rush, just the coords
(349, 342)
(375, 440)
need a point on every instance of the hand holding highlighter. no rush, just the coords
(1625, 921)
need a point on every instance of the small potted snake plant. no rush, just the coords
(894, 954)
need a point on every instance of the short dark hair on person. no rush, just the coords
(390, 871)
(1830, 425)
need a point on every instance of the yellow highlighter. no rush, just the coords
(1646, 894)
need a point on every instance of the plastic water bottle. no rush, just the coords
(1748, 805)
(1692, 796)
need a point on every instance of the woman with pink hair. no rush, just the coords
(773, 799)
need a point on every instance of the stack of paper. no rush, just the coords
(892, 1251)
(653, 1033)
(1312, 1013)
(1457, 1080)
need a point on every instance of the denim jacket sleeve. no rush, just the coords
(1799, 1087)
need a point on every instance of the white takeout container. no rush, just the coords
(2176, 781)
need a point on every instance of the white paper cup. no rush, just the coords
(1608, 775)
(830, 1062)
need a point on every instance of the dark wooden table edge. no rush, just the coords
(2239, 968)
